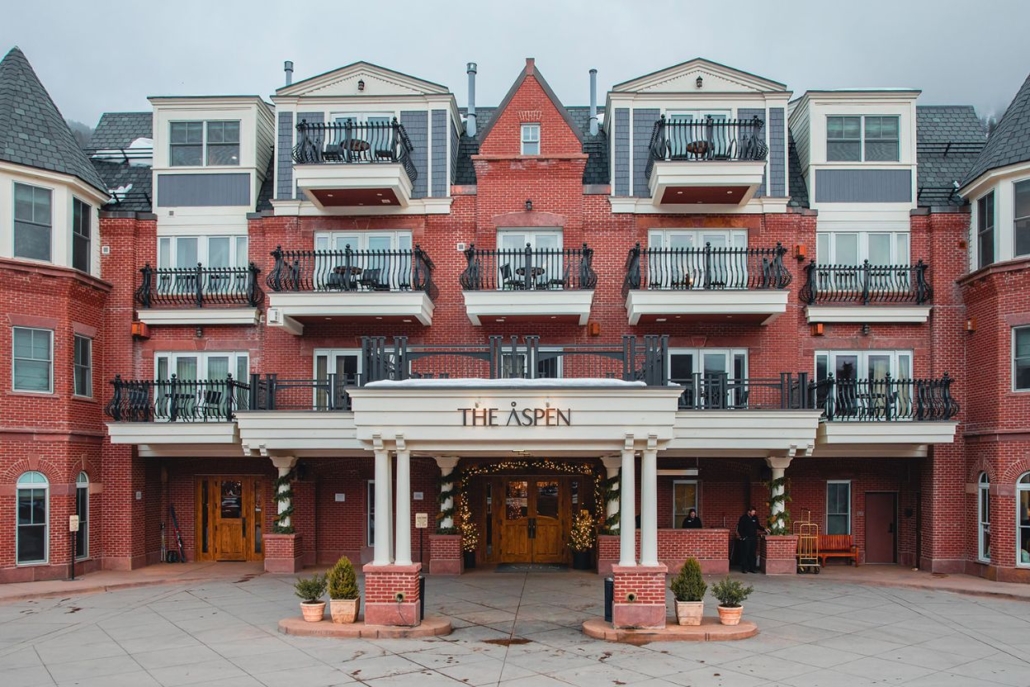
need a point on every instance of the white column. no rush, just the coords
(403, 539)
(381, 549)
(649, 503)
(446, 465)
(284, 464)
(611, 466)
(778, 465)
(627, 508)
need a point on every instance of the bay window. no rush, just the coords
(33, 222)
(82, 215)
(985, 230)
(33, 360)
(1021, 218)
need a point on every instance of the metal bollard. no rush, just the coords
(609, 598)
(421, 597)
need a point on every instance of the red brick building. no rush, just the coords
(359, 299)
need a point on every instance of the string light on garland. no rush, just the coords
(282, 491)
(779, 523)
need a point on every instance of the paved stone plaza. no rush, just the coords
(513, 629)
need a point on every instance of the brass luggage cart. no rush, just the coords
(808, 547)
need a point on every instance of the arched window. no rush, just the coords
(82, 510)
(983, 492)
(33, 493)
(1023, 520)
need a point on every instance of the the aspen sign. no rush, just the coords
(524, 417)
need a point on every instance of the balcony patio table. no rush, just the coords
(697, 148)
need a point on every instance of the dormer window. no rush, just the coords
(845, 141)
(530, 139)
(204, 144)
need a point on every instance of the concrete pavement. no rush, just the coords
(515, 629)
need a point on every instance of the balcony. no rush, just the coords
(356, 285)
(528, 285)
(199, 295)
(884, 417)
(348, 164)
(708, 162)
(746, 285)
(177, 416)
(866, 293)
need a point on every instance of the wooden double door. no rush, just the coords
(229, 515)
(532, 517)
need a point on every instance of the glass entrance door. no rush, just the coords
(535, 520)
(229, 514)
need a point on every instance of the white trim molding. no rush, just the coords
(763, 302)
(201, 316)
(537, 304)
(874, 314)
(286, 309)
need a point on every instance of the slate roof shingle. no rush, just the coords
(797, 188)
(116, 130)
(136, 180)
(1010, 142)
(32, 131)
(949, 138)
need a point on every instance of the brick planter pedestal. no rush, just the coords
(709, 546)
(283, 553)
(647, 585)
(384, 585)
(445, 554)
(779, 554)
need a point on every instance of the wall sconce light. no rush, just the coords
(800, 251)
(700, 82)
(361, 84)
(971, 325)
(529, 205)
(594, 328)
(865, 329)
(200, 332)
(817, 329)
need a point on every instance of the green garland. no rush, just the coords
(612, 487)
(779, 523)
(444, 481)
(279, 525)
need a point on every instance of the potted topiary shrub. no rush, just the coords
(581, 540)
(343, 592)
(730, 593)
(311, 590)
(689, 589)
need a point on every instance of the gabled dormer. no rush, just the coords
(698, 137)
(364, 139)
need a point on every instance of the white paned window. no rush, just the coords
(711, 377)
(33, 498)
(1021, 218)
(845, 141)
(200, 144)
(838, 507)
(860, 383)
(335, 370)
(1021, 358)
(850, 365)
(33, 222)
(985, 230)
(82, 215)
(853, 248)
(197, 366)
(82, 510)
(684, 499)
(33, 360)
(676, 259)
(185, 252)
(1023, 521)
(983, 508)
(530, 139)
(83, 366)
(686, 127)
(379, 260)
(545, 256)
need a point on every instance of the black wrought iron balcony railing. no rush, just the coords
(350, 270)
(354, 143)
(708, 268)
(885, 399)
(528, 269)
(866, 284)
(197, 287)
(708, 139)
(177, 400)
(720, 391)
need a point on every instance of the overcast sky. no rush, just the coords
(109, 56)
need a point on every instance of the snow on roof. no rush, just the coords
(501, 383)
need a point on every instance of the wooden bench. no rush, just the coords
(837, 546)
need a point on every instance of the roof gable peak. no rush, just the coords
(529, 71)
(682, 78)
(362, 79)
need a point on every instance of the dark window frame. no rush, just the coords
(1020, 363)
(986, 219)
(33, 331)
(1020, 223)
(82, 370)
(34, 222)
(82, 220)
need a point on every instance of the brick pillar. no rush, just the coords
(392, 594)
(283, 553)
(124, 522)
(445, 554)
(779, 554)
(639, 596)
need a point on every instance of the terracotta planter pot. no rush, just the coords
(312, 612)
(730, 615)
(690, 612)
(344, 610)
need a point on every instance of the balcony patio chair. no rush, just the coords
(370, 279)
(211, 404)
(563, 282)
(508, 280)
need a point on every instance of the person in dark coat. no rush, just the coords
(691, 522)
(748, 528)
